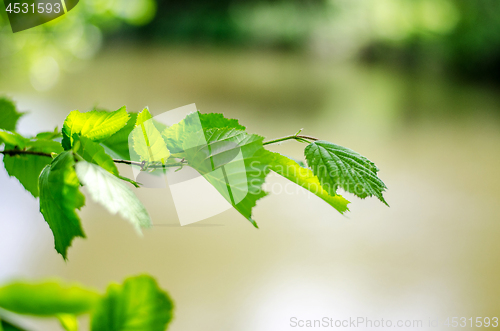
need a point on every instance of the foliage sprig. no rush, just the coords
(54, 165)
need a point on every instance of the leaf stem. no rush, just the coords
(300, 138)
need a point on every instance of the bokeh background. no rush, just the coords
(411, 84)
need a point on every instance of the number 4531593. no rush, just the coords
(478, 322)
(26, 8)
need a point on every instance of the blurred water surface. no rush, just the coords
(434, 253)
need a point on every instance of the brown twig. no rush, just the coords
(22, 152)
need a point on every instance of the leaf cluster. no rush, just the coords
(53, 166)
(137, 304)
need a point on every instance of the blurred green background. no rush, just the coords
(411, 84)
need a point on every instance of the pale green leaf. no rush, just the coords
(113, 194)
(47, 298)
(94, 153)
(13, 138)
(341, 167)
(27, 168)
(305, 178)
(148, 142)
(59, 199)
(8, 114)
(96, 125)
(137, 305)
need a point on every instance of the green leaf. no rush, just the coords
(49, 135)
(176, 134)
(27, 168)
(59, 199)
(113, 194)
(305, 178)
(68, 322)
(338, 166)
(148, 142)
(119, 142)
(13, 138)
(94, 153)
(234, 162)
(217, 120)
(8, 114)
(96, 125)
(48, 298)
(138, 304)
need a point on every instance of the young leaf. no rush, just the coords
(305, 178)
(113, 194)
(8, 114)
(138, 304)
(118, 143)
(59, 199)
(68, 322)
(96, 125)
(148, 142)
(234, 162)
(49, 298)
(27, 168)
(94, 153)
(338, 166)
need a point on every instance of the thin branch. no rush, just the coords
(139, 164)
(300, 138)
(21, 152)
(151, 166)
(297, 137)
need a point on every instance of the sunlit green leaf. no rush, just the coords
(96, 125)
(118, 143)
(27, 168)
(8, 114)
(48, 298)
(59, 199)
(148, 142)
(94, 153)
(305, 178)
(341, 167)
(113, 194)
(137, 305)
(68, 322)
